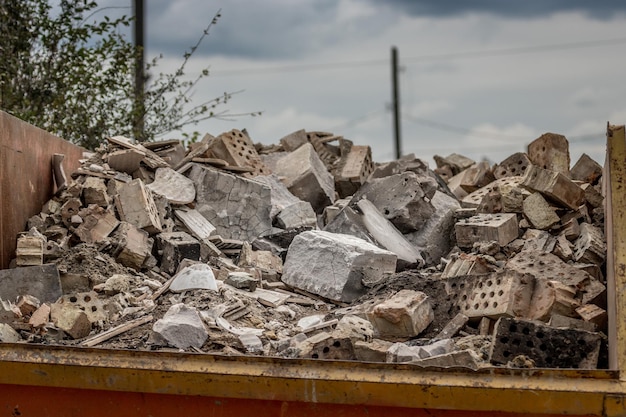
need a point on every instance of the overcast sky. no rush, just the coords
(482, 80)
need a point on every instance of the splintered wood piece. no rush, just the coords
(115, 331)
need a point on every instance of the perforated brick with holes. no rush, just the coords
(495, 295)
(87, 302)
(514, 165)
(237, 149)
(548, 266)
(500, 227)
(474, 199)
(548, 347)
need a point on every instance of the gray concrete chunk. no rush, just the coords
(335, 266)
(182, 327)
(41, 281)
(401, 199)
(239, 208)
(305, 175)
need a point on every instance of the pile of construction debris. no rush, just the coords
(309, 249)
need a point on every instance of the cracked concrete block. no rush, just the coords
(548, 347)
(175, 187)
(514, 165)
(500, 227)
(335, 266)
(239, 208)
(241, 280)
(586, 169)
(88, 302)
(539, 212)
(401, 199)
(281, 197)
(197, 224)
(177, 246)
(590, 247)
(306, 177)
(133, 245)
(296, 215)
(41, 281)
(554, 185)
(386, 235)
(182, 327)
(350, 222)
(136, 206)
(354, 170)
(194, 277)
(564, 322)
(94, 191)
(406, 314)
(436, 237)
(550, 151)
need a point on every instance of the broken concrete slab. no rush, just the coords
(194, 277)
(175, 187)
(239, 208)
(335, 266)
(41, 281)
(458, 359)
(406, 314)
(72, 320)
(182, 327)
(436, 237)
(306, 177)
(281, 197)
(8, 334)
(386, 235)
(401, 199)
(297, 215)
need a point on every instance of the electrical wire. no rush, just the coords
(421, 58)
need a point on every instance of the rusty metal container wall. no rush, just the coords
(26, 180)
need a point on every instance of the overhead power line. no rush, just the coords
(421, 58)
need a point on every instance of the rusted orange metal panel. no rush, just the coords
(48, 402)
(26, 180)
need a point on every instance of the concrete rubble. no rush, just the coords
(309, 249)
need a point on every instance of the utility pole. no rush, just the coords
(139, 107)
(396, 101)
